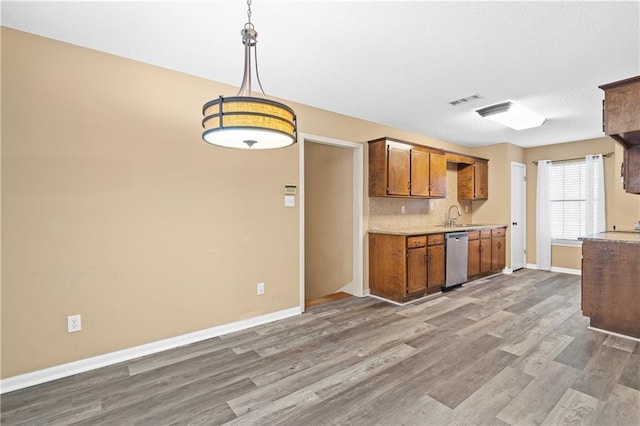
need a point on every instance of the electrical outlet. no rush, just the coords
(402, 210)
(466, 209)
(260, 288)
(432, 205)
(74, 323)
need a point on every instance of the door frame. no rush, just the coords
(524, 212)
(357, 285)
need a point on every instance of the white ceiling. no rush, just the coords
(397, 63)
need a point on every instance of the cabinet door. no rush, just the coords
(436, 266)
(498, 258)
(632, 169)
(485, 255)
(466, 177)
(473, 261)
(438, 175)
(416, 269)
(419, 173)
(481, 180)
(398, 165)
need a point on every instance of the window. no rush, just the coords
(567, 196)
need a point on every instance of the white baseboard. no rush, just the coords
(557, 269)
(566, 270)
(64, 370)
(612, 333)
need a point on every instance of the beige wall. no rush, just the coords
(113, 207)
(328, 212)
(622, 209)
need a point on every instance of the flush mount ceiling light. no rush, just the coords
(244, 121)
(512, 115)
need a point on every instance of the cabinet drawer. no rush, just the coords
(485, 233)
(435, 239)
(498, 232)
(474, 235)
(413, 242)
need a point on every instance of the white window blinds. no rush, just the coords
(567, 194)
(568, 198)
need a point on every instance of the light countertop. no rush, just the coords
(433, 229)
(629, 237)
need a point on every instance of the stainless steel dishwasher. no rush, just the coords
(457, 254)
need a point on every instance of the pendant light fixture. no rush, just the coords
(245, 121)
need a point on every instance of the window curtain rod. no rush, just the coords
(607, 155)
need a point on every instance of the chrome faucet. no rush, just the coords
(452, 220)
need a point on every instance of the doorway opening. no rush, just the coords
(331, 219)
(518, 216)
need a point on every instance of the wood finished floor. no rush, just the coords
(506, 350)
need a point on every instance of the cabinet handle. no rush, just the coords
(499, 245)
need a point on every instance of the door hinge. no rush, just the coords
(524, 178)
(525, 251)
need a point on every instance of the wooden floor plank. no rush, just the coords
(503, 350)
(482, 406)
(310, 303)
(574, 408)
(622, 408)
(536, 401)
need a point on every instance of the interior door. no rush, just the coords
(518, 228)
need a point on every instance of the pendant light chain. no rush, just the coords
(249, 12)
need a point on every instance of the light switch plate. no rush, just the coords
(289, 201)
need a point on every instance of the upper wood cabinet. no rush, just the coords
(621, 121)
(621, 110)
(400, 169)
(473, 180)
(631, 169)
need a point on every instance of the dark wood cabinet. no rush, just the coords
(416, 266)
(435, 262)
(473, 181)
(401, 169)
(631, 169)
(398, 158)
(621, 110)
(498, 253)
(403, 268)
(419, 173)
(621, 121)
(610, 286)
(473, 255)
(486, 252)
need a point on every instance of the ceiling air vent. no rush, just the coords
(465, 100)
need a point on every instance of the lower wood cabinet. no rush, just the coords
(402, 268)
(498, 254)
(486, 253)
(610, 285)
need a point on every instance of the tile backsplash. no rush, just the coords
(386, 212)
